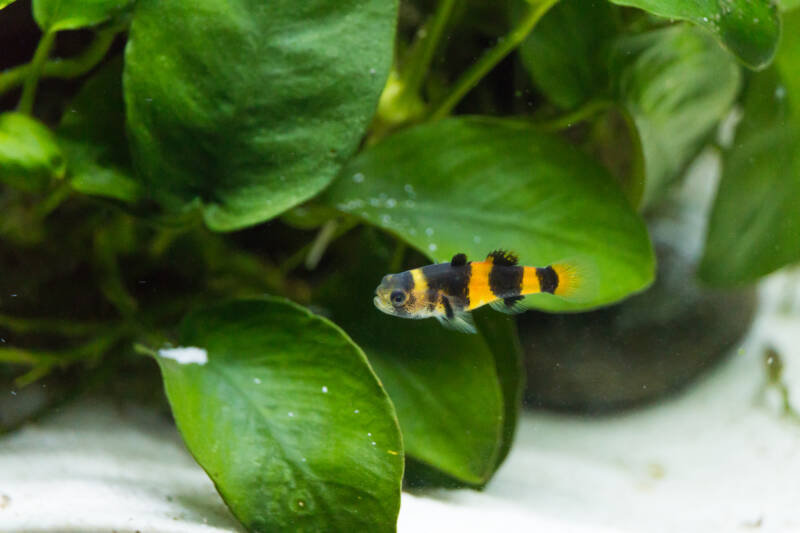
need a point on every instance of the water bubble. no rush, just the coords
(410, 204)
(409, 189)
(257, 381)
(355, 411)
(391, 202)
(358, 177)
(476, 239)
(780, 92)
(291, 414)
(324, 389)
(386, 219)
(432, 247)
(428, 231)
(372, 71)
(373, 443)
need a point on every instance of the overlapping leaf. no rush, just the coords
(246, 107)
(755, 224)
(748, 28)
(444, 385)
(57, 15)
(29, 154)
(287, 418)
(474, 185)
(92, 134)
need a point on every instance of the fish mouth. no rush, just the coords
(381, 305)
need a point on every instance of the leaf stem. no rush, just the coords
(62, 68)
(567, 120)
(490, 59)
(429, 36)
(43, 50)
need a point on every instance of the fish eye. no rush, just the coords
(398, 297)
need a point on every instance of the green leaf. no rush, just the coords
(250, 107)
(564, 52)
(474, 185)
(92, 134)
(755, 223)
(57, 15)
(443, 384)
(677, 84)
(29, 155)
(500, 332)
(4, 3)
(748, 28)
(287, 418)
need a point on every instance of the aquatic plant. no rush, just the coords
(221, 185)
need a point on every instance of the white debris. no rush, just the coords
(185, 355)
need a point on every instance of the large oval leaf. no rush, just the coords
(251, 107)
(677, 84)
(755, 224)
(443, 384)
(287, 418)
(474, 185)
(748, 28)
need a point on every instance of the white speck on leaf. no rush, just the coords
(185, 355)
(257, 381)
(358, 177)
(432, 247)
(428, 231)
(355, 411)
(324, 389)
(291, 414)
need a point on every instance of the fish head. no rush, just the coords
(395, 296)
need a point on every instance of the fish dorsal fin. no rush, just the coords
(459, 260)
(461, 322)
(502, 258)
(511, 305)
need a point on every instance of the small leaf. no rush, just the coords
(748, 28)
(755, 223)
(57, 15)
(677, 84)
(29, 155)
(474, 185)
(250, 108)
(4, 3)
(92, 134)
(564, 52)
(283, 412)
(443, 384)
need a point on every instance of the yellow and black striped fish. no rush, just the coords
(449, 291)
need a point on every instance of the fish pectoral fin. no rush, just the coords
(512, 305)
(461, 322)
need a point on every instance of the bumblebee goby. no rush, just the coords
(449, 291)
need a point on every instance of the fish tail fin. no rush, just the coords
(577, 279)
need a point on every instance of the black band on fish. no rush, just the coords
(548, 279)
(505, 281)
(448, 309)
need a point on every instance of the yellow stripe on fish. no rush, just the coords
(448, 291)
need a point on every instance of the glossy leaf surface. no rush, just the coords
(248, 108)
(287, 418)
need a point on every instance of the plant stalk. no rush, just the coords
(43, 50)
(490, 59)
